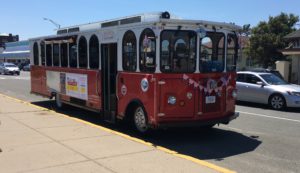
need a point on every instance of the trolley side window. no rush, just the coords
(35, 54)
(178, 51)
(232, 52)
(42, 45)
(147, 51)
(49, 54)
(129, 51)
(94, 52)
(212, 53)
(73, 54)
(55, 54)
(64, 55)
(82, 48)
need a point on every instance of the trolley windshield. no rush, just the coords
(212, 53)
(178, 51)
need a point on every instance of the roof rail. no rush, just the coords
(115, 22)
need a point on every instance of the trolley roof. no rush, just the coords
(160, 17)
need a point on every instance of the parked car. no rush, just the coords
(22, 64)
(275, 72)
(26, 67)
(9, 68)
(267, 88)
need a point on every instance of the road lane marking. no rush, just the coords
(166, 150)
(268, 116)
(12, 78)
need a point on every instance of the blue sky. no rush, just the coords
(25, 18)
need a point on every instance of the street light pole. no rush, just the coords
(54, 23)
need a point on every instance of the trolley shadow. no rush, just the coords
(215, 143)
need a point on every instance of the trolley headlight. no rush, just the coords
(172, 100)
(234, 93)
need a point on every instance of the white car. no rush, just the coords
(267, 88)
(9, 68)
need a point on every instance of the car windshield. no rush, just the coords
(273, 79)
(10, 65)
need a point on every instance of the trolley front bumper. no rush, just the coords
(222, 120)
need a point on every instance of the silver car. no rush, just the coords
(9, 68)
(26, 67)
(267, 88)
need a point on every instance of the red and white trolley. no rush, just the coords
(154, 69)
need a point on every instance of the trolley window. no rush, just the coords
(94, 52)
(55, 54)
(212, 53)
(178, 51)
(42, 45)
(73, 54)
(232, 52)
(49, 54)
(129, 51)
(82, 46)
(147, 51)
(35, 54)
(64, 55)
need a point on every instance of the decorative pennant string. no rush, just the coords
(209, 88)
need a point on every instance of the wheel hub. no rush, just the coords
(277, 102)
(140, 120)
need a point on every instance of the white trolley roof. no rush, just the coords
(160, 17)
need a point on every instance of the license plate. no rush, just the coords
(210, 99)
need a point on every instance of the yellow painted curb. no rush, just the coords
(174, 153)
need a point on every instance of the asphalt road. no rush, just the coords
(260, 140)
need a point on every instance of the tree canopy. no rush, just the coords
(267, 38)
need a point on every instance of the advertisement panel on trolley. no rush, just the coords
(76, 85)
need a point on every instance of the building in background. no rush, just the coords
(16, 52)
(293, 54)
(5, 38)
(244, 61)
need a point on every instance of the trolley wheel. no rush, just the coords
(140, 120)
(277, 102)
(58, 101)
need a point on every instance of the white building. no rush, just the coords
(16, 52)
(293, 53)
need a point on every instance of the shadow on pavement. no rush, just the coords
(215, 143)
(264, 106)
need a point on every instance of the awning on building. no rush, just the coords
(295, 51)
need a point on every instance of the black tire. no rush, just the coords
(140, 120)
(277, 102)
(58, 101)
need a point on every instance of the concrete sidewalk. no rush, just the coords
(37, 140)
